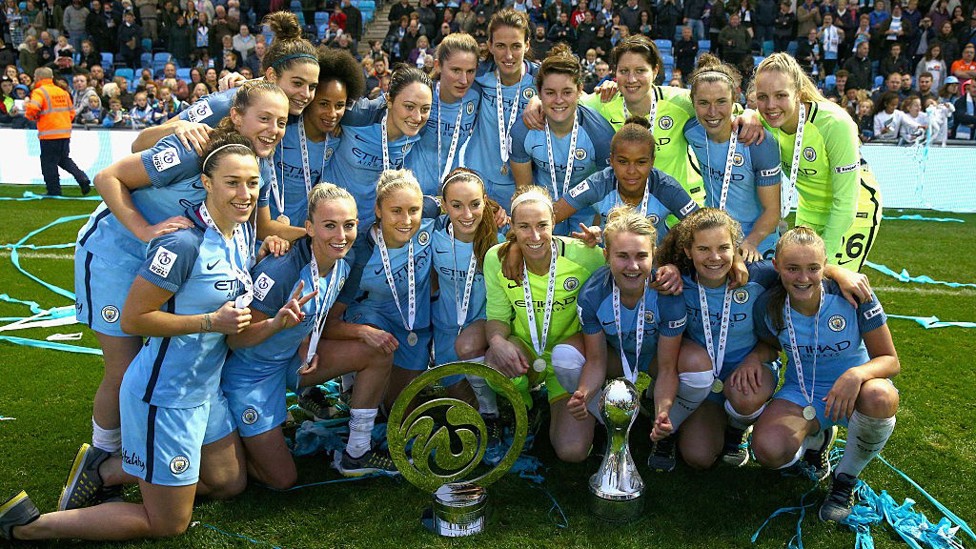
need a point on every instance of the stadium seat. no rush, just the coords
(146, 60)
(756, 60)
(663, 46)
(107, 60)
(126, 72)
(158, 66)
(366, 4)
(321, 18)
(147, 44)
(878, 81)
(704, 45)
(183, 74)
(791, 48)
(668, 60)
(164, 56)
(830, 81)
(768, 47)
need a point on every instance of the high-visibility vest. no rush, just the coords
(52, 108)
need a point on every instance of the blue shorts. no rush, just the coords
(791, 392)
(258, 405)
(162, 446)
(416, 357)
(101, 287)
(719, 398)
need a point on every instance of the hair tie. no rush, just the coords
(460, 174)
(531, 195)
(287, 58)
(203, 169)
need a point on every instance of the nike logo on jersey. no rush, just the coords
(608, 323)
(212, 264)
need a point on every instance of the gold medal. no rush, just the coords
(283, 219)
(504, 169)
(717, 386)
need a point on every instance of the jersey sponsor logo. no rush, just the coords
(580, 154)
(847, 169)
(875, 311)
(688, 208)
(423, 238)
(262, 285)
(571, 284)
(770, 172)
(738, 160)
(740, 296)
(809, 154)
(836, 323)
(666, 122)
(162, 262)
(165, 159)
(179, 465)
(675, 324)
(110, 314)
(249, 416)
(579, 189)
(469, 108)
(199, 111)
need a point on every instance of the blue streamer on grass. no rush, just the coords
(930, 322)
(910, 525)
(34, 306)
(28, 196)
(916, 217)
(52, 345)
(903, 276)
(796, 542)
(15, 257)
(37, 246)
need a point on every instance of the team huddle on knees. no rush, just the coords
(285, 233)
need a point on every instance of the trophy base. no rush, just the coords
(617, 510)
(459, 510)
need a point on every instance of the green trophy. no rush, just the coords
(449, 439)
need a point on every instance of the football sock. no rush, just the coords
(361, 422)
(866, 437)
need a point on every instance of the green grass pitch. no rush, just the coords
(49, 393)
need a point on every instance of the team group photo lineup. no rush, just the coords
(530, 186)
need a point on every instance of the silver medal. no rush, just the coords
(809, 413)
(539, 365)
(412, 339)
(283, 219)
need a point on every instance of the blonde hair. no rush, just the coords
(626, 219)
(531, 193)
(783, 63)
(392, 180)
(327, 192)
(797, 236)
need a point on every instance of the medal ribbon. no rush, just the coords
(321, 311)
(539, 344)
(503, 129)
(797, 365)
(239, 262)
(454, 137)
(388, 270)
(461, 306)
(790, 190)
(629, 372)
(569, 161)
(717, 357)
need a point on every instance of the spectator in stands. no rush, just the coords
(932, 62)
(81, 91)
(562, 31)
(416, 57)
(831, 37)
(715, 19)
(199, 90)
(644, 26)
(912, 107)
(201, 33)
(220, 27)
(859, 69)
(736, 41)
(923, 39)
(865, 120)
(808, 54)
(210, 78)
(398, 11)
(124, 95)
(169, 73)
(578, 15)
(227, 51)
(552, 11)
(130, 40)
(243, 42)
(685, 51)
(90, 113)
(537, 13)
(45, 49)
(891, 84)
(17, 118)
(142, 114)
(888, 120)
(968, 34)
(331, 34)
(940, 13)
(116, 116)
(949, 91)
(912, 13)
(62, 48)
(630, 16)
(354, 20)
(97, 24)
(965, 117)
(6, 98)
(75, 20)
(946, 37)
(926, 90)
(168, 105)
(894, 61)
(339, 17)
(465, 17)
(88, 56)
(845, 17)
(957, 19)
(965, 68)
(808, 17)
(11, 72)
(8, 55)
(668, 18)
(897, 29)
(601, 43)
(26, 80)
(694, 12)
(586, 33)
(784, 27)
(374, 80)
(96, 78)
(540, 43)
(839, 89)
(28, 58)
(148, 18)
(877, 17)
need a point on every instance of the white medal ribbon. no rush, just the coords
(569, 161)
(797, 365)
(727, 174)
(503, 129)
(388, 270)
(321, 311)
(717, 356)
(539, 343)
(385, 138)
(461, 306)
(240, 261)
(454, 137)
(303, 143)
(650, 115)
(790, 190)
(276, 191)
(629, 372)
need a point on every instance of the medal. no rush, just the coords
(629, 372)
(277, 193)
(411, 288)
(789, 192)
(808, 411)
(539, 342)
(321, 310)
(503, 129)
(717, 356)
(283, 219)
(569, 161)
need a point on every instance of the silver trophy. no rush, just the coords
(616, 489)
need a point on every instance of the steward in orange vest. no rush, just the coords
(53, 109)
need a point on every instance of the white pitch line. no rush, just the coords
(31, 254)
(964, 292)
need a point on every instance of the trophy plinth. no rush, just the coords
(616, 489)
(448, 440)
